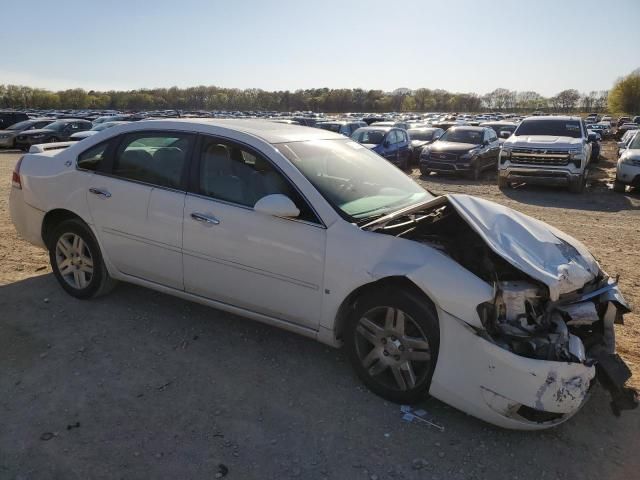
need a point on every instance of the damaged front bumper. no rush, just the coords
(496, 385)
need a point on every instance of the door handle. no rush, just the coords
(201, 217)
(98, 191)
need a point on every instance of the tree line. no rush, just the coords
(317, 99)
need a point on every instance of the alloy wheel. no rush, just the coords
(392, 348)
(74, 260)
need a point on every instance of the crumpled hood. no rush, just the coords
(541, 251)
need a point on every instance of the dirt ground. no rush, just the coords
(142, 385)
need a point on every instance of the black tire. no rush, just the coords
(421, 339)
(425, 171)
(503, 183)
(475, 172)
(619, 187)
(578, 185)
(98, 282)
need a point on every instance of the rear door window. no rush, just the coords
(154, 158)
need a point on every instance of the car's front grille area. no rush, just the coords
(540, 156)
(447, 157)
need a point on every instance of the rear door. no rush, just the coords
(137, 203)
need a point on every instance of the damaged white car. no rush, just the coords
(486, 309)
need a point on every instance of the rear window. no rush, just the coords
(556, 128)
(373, 137)
(333, 127)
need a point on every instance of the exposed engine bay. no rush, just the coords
(522, 318)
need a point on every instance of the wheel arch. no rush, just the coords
(396, 281)
(55, 217)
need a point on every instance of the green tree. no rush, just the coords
(624, 97)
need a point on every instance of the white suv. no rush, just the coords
(547, 150)
(628, 168)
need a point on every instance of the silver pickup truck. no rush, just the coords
(553, 150)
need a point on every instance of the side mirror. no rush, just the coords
(505, 133)
(621, 145)
(277, 205)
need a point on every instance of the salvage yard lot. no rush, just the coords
(163, 388)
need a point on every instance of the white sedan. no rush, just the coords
(491, 311)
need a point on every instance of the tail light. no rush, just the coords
(16, 181)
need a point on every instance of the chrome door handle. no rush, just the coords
(98, 191)
(201, 217)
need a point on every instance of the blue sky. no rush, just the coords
(458, 45)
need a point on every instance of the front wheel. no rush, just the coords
(77, 262)
(475, 173)
(503, 183)
(578, 185)
(619, 187)
(392, 340)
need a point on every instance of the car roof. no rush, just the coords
(271, 132)
(468, 127)
(555, 117)
(424, 128)
(381, 128)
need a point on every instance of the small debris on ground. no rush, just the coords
(222, 471)
(164, 387)
(73, 425)
(46, 436)
(419, 416)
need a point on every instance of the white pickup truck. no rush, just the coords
(552, 150)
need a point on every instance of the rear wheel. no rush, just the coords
(77, 262)
(392, 340)
(618, 186)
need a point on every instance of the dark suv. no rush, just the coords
(468, 150)
(58, 131)
(9, 118)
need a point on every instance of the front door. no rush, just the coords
(232, 254)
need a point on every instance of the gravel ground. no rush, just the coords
(143, 385)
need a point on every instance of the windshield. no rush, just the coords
(422, 135)
(556, 128)
(635, 143)
(333, 127)
(59, 125)
(462, 136)
(358, 183)
(373, 137)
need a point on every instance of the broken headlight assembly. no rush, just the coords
(577, 329)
